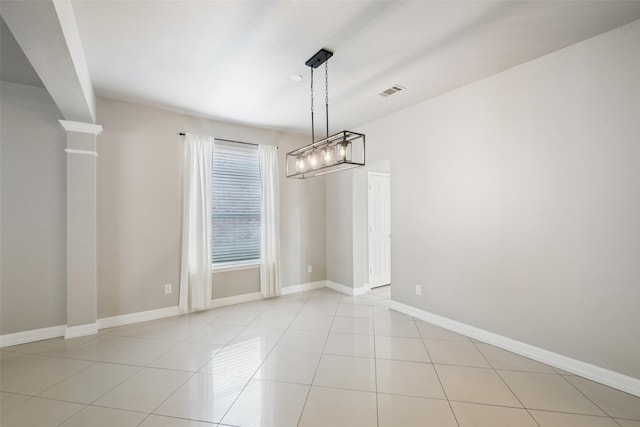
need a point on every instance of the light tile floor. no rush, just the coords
(316, 358)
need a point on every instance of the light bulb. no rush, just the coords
(342, 151)
(300, 163)
(327, 156)
(313, 160)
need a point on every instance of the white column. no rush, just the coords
(82, 277)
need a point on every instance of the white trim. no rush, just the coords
(32, 335)
(81, 330)
(236, 299)
(286, 290)
(74, 151)
(234, 266)
(595, 373)
(71, 126)
(369, 287)
(346, 289)
(387, 174)
(339, 287)
(361, 290)
(141, 316)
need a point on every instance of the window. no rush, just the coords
(235, 207)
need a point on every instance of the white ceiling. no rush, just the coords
(231, 60)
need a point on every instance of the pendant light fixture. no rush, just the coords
(343, 150)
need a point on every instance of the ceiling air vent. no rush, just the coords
(393, 89)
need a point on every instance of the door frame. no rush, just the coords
(369, 265)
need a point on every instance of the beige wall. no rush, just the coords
(339, 228)
(33, 228)
(347, 217)
(516, 201)
(239, 282)
(138, 210)
(139, 192)
(302, 223)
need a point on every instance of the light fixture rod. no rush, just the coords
(321, 57)
(313, 137)
(326, 94)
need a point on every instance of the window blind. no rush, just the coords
(235, 206)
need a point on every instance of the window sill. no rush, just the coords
(234, 266)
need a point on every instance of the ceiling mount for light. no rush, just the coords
(344, 150)
(319, 58)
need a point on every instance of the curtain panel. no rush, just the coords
(195, 272)
(270, 222)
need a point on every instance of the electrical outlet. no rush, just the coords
(168, 288)
(309, 269)
(418, 290)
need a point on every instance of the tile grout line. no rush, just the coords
(194, 373)
(589, 399)
(424, 344)
(607, 415)
(258, 368)
(505, 383)
(94, 362)
(308, 301)
(198, 371)
(111, 389)
(208, 360)
(319, 360)
(181, 385)
(375, 369)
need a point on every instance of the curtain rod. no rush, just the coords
(228, 140)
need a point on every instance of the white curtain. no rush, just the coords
(270, 221)
(195, 274)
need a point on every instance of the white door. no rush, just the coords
(379, 229)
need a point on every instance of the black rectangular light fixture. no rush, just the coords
(341, 151)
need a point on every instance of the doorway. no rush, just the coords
(379, 222)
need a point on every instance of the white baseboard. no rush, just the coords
(595, 373)
(361, 290)
(303, 287)
(339, 287)
(236, 299)
(80, 330)
(141, 316)
(346, 289)
(32, 335)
